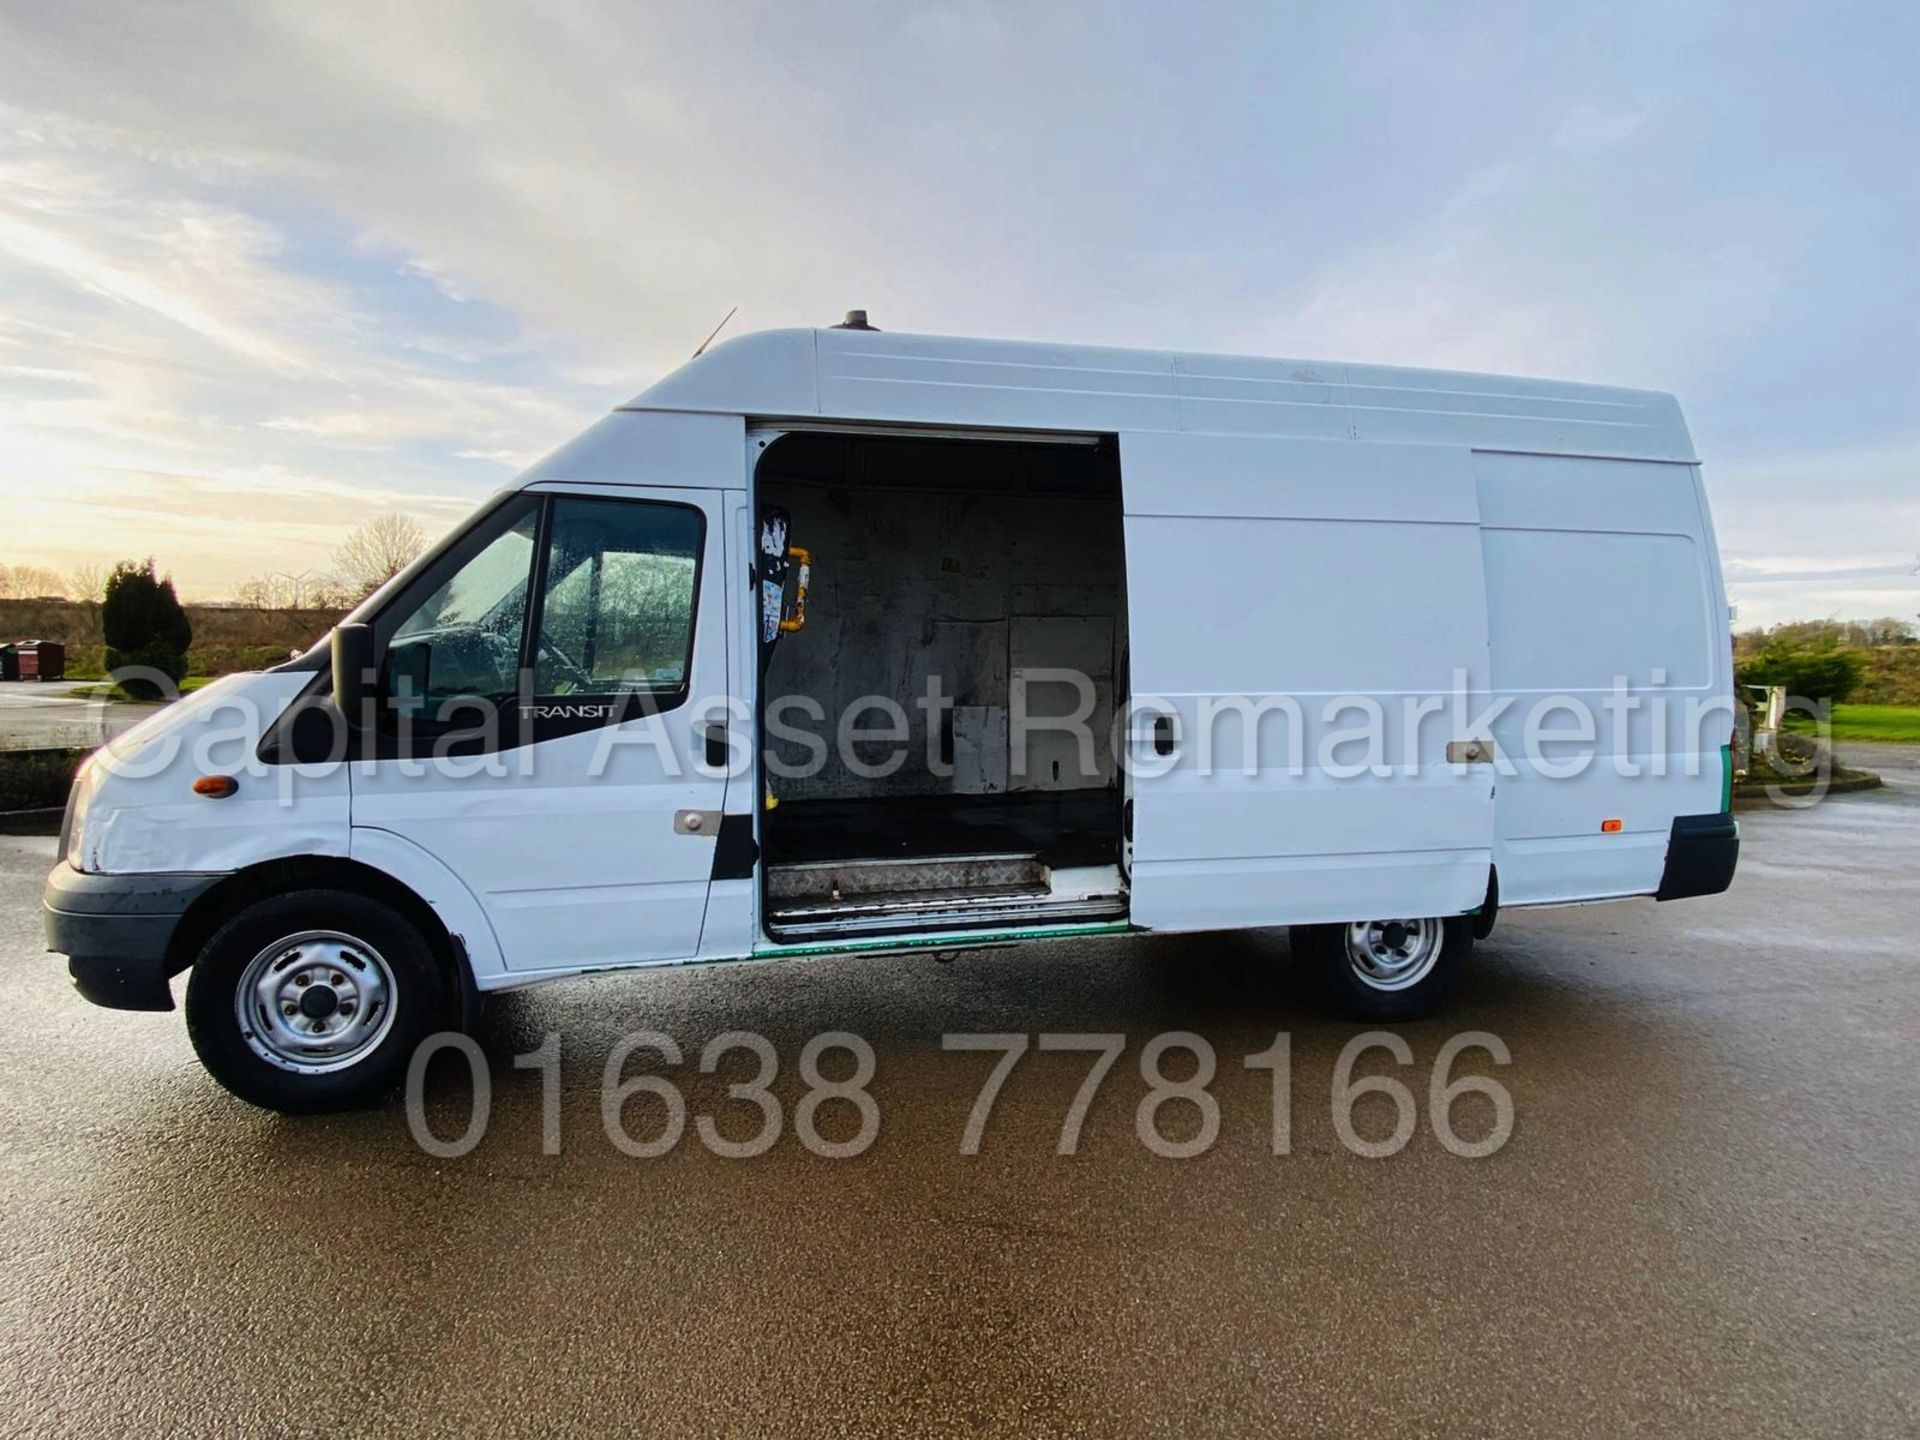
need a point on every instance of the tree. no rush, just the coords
(144, 626)
(376, 552)
(29, 582)
(1820, 669)
(1812, 634)
(87, 582)
(277, 590)
(329, 593)
(1887, 630)
(257, 593)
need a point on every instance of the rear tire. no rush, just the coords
(314, 1001)
(1386, 969)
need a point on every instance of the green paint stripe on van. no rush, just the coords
(1726, 779)
(963, 941)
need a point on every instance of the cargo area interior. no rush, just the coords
(945, 575)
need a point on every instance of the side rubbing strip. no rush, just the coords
(735, 854)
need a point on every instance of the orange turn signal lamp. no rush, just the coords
(215, 787)
(1609, 827)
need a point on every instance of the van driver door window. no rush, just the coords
(617, 615)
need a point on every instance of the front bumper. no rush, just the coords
(116, 931)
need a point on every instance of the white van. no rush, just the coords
(837, 640)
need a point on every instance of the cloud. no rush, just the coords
(1588, 130)
(277, 247)
(26, 243)
(1827, 532)
(1786, 571)
(179, 376)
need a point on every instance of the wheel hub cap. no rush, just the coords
(1394, 954)
(315, 1002)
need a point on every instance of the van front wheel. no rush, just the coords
(313, 1001)
(1387, 969)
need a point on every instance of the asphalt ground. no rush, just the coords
(50, 715)
(1702, 1222)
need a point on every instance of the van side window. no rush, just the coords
(463, 640)
(617, 609)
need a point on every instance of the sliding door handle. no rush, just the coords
(1154, 733)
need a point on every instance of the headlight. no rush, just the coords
(73, 825)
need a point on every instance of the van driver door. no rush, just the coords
(581, 631)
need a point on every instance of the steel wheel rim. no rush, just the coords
(315, 1002)
(1393, 954)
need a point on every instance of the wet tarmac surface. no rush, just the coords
(1704, 1221)
(54, 715)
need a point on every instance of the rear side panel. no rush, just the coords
(1281, 592)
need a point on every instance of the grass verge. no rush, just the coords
(1877, 723)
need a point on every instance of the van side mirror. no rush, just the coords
(352, 670)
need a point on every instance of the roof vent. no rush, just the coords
(856, 320)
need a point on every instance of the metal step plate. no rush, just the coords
(1083, 893)
(832, 881)
(957, 917)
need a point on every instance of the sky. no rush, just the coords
(267, 270)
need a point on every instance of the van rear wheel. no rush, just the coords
(1387, 969)
(313, 1001)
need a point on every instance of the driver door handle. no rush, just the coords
(714, 737)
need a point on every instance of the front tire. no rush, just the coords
(314, 1001)
(1387, 969)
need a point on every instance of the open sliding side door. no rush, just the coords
(1282, 595)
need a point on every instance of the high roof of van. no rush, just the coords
(889, 377)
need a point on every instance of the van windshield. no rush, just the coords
(464, 637)
(490, 589)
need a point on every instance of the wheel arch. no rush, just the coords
(235, 892)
